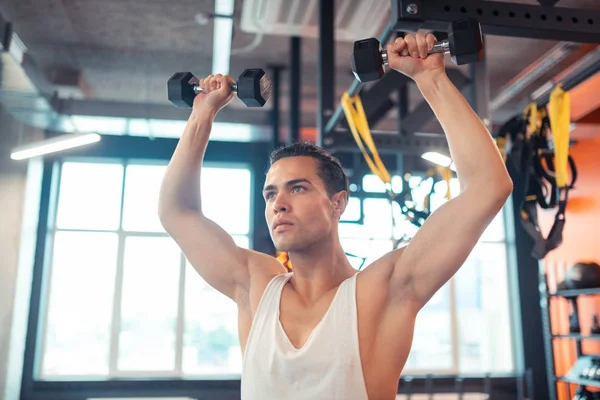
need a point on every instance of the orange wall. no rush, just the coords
(581, 242)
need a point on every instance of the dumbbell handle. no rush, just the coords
(198, 89)
(442, 47)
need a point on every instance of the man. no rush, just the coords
(324, 330)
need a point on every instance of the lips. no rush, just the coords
(281, 225)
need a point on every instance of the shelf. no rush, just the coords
(577, 336)
(576, 292)
(578, 381)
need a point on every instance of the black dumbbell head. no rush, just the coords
(253, 88)
(466, 41)
(180, 89)
(367, 63)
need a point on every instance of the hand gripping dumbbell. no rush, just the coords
(464, 44)
(253, 88)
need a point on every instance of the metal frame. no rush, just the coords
(500, 18)
(496, 18)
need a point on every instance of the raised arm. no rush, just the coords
(449, 235)
(207, 246)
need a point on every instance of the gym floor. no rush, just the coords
(79, 229)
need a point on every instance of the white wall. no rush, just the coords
(19, 202)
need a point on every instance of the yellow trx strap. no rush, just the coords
(559, 110)
(531, 112)
(359, 126)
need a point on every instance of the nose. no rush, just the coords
(280, 204)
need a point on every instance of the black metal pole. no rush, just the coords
(295, 62)
(355, 86)
(276, 111)
(325, 67)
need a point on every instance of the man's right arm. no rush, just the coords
(210, 249)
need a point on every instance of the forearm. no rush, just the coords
(180, 189)
(472, 148)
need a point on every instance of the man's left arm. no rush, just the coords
(449, 235)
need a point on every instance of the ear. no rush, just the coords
(340, 201)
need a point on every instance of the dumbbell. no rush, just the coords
(464, 44)
(253, 88)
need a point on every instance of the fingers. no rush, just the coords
(421, 45)
(411, 44)
(399, 47)
(431, 41)
(215, 82)
(416, 45)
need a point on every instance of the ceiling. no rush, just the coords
(125, 50)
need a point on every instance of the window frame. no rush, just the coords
(124, 150)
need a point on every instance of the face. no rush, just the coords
(298, 209)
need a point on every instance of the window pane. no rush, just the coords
(352, 212)
(432, 341)
(90, 196)
(372, 183)
(142, 187)
(482, 303)
(230, 212)
(149, 304)
(210, 344)
(378, 218)
(77, 331)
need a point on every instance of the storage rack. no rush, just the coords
(549, 337)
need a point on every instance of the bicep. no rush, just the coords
(443, 243)
(212, 252)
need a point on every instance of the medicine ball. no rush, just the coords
(583, 275)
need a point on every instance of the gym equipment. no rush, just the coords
(253, 88)
(534, 153)
(464, 44)
(582, 275)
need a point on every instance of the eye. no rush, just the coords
(269, 195)
(297, 189)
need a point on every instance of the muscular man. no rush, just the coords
(324, 330)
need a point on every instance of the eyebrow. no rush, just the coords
(288, 184)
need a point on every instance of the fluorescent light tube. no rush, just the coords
(439, 159)
(222, 36)
(53, 145)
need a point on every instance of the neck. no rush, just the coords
(320, 268)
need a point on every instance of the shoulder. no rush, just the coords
(262, 268)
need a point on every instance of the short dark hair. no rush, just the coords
(330, 168)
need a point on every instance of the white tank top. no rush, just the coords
(327, 366)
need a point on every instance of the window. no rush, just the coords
(465, 327)
(123, 300)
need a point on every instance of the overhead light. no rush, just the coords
(54, 145)
(222, 35)
(439, 159)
